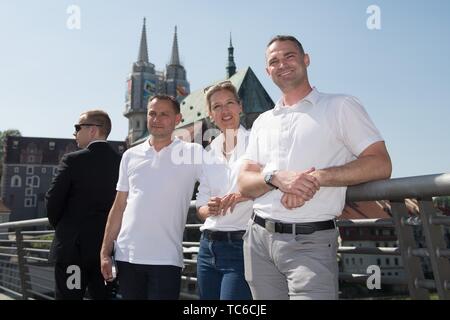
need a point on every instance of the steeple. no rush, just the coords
(142, 83)
(143, 53)
(175, 57)
(231, 66)
(176, 82)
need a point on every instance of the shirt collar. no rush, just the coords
(242, 135)
(147, 147)
(312, 98)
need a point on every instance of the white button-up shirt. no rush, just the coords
(219, 178)
(320, 131)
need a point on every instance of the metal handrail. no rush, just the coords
(418, 187)
(393, 189)
(396, 190)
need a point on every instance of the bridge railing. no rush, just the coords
(26, 274)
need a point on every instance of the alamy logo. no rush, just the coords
(374, 20)
(374, 280)
(74, 20)
(74, 280)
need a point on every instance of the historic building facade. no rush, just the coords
(145, 81)
(29, 167)
(173, 81)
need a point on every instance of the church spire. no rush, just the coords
(175, 58)
(143, 53)
(231, 66)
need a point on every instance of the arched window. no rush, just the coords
(36, 181)
(16, 181)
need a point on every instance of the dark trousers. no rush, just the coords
(72, 280)
(148, 282)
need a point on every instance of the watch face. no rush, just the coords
(268, 178)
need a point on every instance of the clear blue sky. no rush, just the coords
(49, 74)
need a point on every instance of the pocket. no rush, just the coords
(320, 241)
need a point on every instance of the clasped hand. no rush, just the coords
(220, 205)
(297, 187)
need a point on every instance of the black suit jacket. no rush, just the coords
(79, 200)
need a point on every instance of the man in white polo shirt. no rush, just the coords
(149, 213)
(301, 156)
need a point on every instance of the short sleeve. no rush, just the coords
(204, 190)
(354, 126)
(252, 152)
(123, 183)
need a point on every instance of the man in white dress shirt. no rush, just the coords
(301, 156)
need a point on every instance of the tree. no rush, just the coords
(3, 135)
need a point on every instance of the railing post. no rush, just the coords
(24, 278)
(407, 243)
(434, 238)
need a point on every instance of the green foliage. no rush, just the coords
(42, 245)
(3, 135)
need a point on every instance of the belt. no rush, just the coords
(300, 228)
(223, 235)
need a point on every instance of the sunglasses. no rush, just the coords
(227, 82)
(80, 125)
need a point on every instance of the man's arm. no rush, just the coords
(373, 163)
(251, 182)
(111, 232)
(56, 197)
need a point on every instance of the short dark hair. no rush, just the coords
(100, 118)
(175, 103)
(287, 38)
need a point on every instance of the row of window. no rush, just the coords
(30, 170)
(32, 147)
(377, 244)
(361, 261)
(389, 274)
(33, 181)
(373, 232)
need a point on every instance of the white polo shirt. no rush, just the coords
(219, 178)
(321, 131)
(159, 190)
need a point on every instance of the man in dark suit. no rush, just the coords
(78, 203)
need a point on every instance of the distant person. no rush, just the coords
(220, 262)
(149, 213)
(78, 203)
(301, 157)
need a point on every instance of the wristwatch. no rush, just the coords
(268, 179)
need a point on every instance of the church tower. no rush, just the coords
(176, 82)
(231, 66)
(142, 83)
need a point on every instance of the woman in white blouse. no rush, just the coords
(220, 263)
